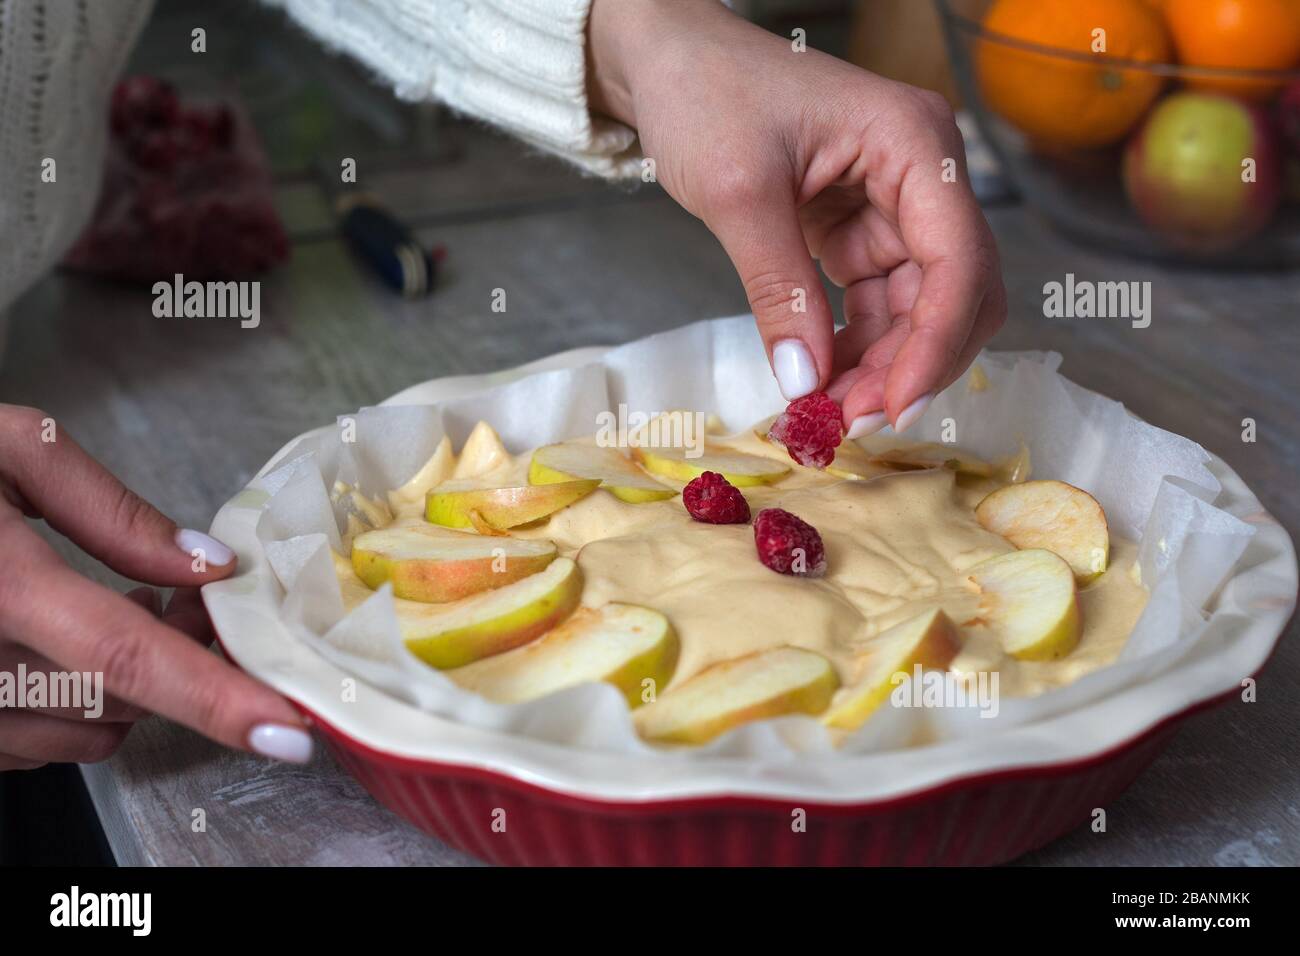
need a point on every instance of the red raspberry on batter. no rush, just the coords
(810, 428)
(712, 499)
(787, 544)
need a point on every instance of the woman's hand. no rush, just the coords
(788, 156)
(54, 620)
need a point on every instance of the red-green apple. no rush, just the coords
(784, 680)
(1204, 170)
(620, 644)
(434, 565)
(494, 622)
(1054, 515)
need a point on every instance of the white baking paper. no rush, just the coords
(1154, 486)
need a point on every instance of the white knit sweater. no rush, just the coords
(518, 64)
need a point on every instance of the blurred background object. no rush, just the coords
(1150, 127)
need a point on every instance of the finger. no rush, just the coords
(862, 247)
(88, 701)
(85, 627)
(763, 238)
(10, 762)
(32, 736)
(864, 402)
(186, 613)
(147, 598)
(79, 498)
(867, 316)
(947, 237)
(992, 316)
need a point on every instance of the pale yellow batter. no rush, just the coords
(896, 546)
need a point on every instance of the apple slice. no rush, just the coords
(432, 565)
(853, 463)
(454, 503)
(569, 461)
(1051, 514)
(929, 639)
(1028, 599)
(932, 455)
(738, 468)
(482, 452)
(493, 622)
(621, 644)
(784, 680)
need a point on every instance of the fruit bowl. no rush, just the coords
(511, 798)
(1130, 151)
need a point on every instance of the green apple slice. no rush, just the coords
(432, 565)
(784, 680)
(454, 503)
(1050, 514)
(932, 455)
(621, 644)
(929, 639)
(570, 461)
(493, 622)
(737, 467)
(1028, 599)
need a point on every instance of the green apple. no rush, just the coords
(929, 639)
(784, 680)
(932, 455)
(1028, 600)
(1185, 170)
(738, 468)
(433, 565)
(572, 461)
(621, 644)
(454, 504)
(1061, 518)
(492, 622)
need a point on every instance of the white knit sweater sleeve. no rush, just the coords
(518, 64)
(58, 62)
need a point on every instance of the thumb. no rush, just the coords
(766, 244)
(82, 500)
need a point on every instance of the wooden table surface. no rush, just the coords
(186, 410)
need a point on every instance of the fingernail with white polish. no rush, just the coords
(908, 416)
(796, 375)
(865, 425)
(281, 743)
(214, 552)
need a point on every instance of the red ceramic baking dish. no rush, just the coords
(509, 798)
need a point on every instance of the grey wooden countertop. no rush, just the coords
(186, 410)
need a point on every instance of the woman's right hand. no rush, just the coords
(53, 619)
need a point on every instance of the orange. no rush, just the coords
(1088, 101)
(1242, 34)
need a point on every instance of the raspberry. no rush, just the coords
(714, 500)
(787, 544)
(810, 428)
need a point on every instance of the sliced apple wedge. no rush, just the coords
(494, 622)
(784, 680)
(453, 503)
(853, 463)
(433, 565)
(570, 461)
(737, 467)
(482, 452)
(1028, 599)
(1051, 514)
(621, 644)
(929, 639)
(932, 455)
